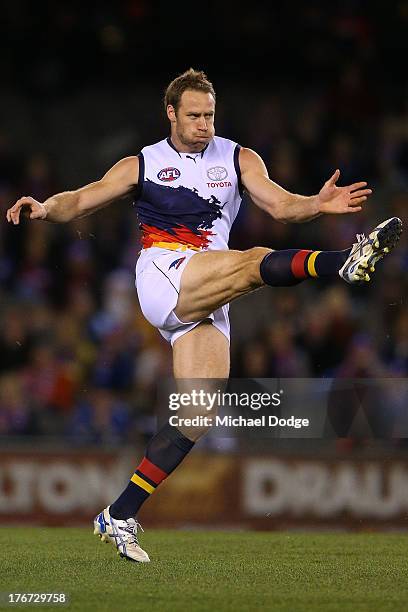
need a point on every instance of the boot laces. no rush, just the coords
(132, 526)
(359, 245)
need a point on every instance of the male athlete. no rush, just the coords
(188, 190)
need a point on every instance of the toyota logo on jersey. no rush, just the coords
(168, 174)
(217, 173)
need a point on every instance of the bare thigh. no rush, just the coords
(201, 361)
(214, 278)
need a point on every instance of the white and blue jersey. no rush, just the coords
(188, 200)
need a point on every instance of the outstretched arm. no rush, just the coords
(117, 183)
(292, 208)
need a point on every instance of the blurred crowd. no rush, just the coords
(77, 358)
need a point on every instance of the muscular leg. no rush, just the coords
(214, 278)
(201, 360)
(202, 353)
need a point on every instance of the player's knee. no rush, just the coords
(251, 260)
(256, 254)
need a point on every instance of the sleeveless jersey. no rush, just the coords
(188, 200)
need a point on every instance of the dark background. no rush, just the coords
(310, 86)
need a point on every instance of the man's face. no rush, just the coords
(193, 124)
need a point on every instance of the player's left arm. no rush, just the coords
(293, 208)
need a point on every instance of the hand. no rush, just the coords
(338, 200)
(33, 208)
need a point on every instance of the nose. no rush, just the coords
(202, 125)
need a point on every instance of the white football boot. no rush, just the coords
(122, 534)
(365, 253)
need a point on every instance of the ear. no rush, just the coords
(171, 113)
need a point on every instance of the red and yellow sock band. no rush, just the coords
(148, 476)
(303, 264)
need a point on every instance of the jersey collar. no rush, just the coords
(170, 143)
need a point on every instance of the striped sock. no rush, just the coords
(165, 451)
(148, 476)
(292, 266)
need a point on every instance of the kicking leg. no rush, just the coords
(215, 278)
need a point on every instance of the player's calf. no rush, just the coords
(164, 452)
(291, 266)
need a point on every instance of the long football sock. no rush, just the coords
(164, 452)
(292, 266)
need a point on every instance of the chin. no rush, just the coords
(201, 142)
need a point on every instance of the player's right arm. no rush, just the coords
(117, 183)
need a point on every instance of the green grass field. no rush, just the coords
(203, 571)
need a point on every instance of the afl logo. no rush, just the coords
(217, 173)
(168, 174)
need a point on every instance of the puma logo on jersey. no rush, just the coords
(169, 174)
